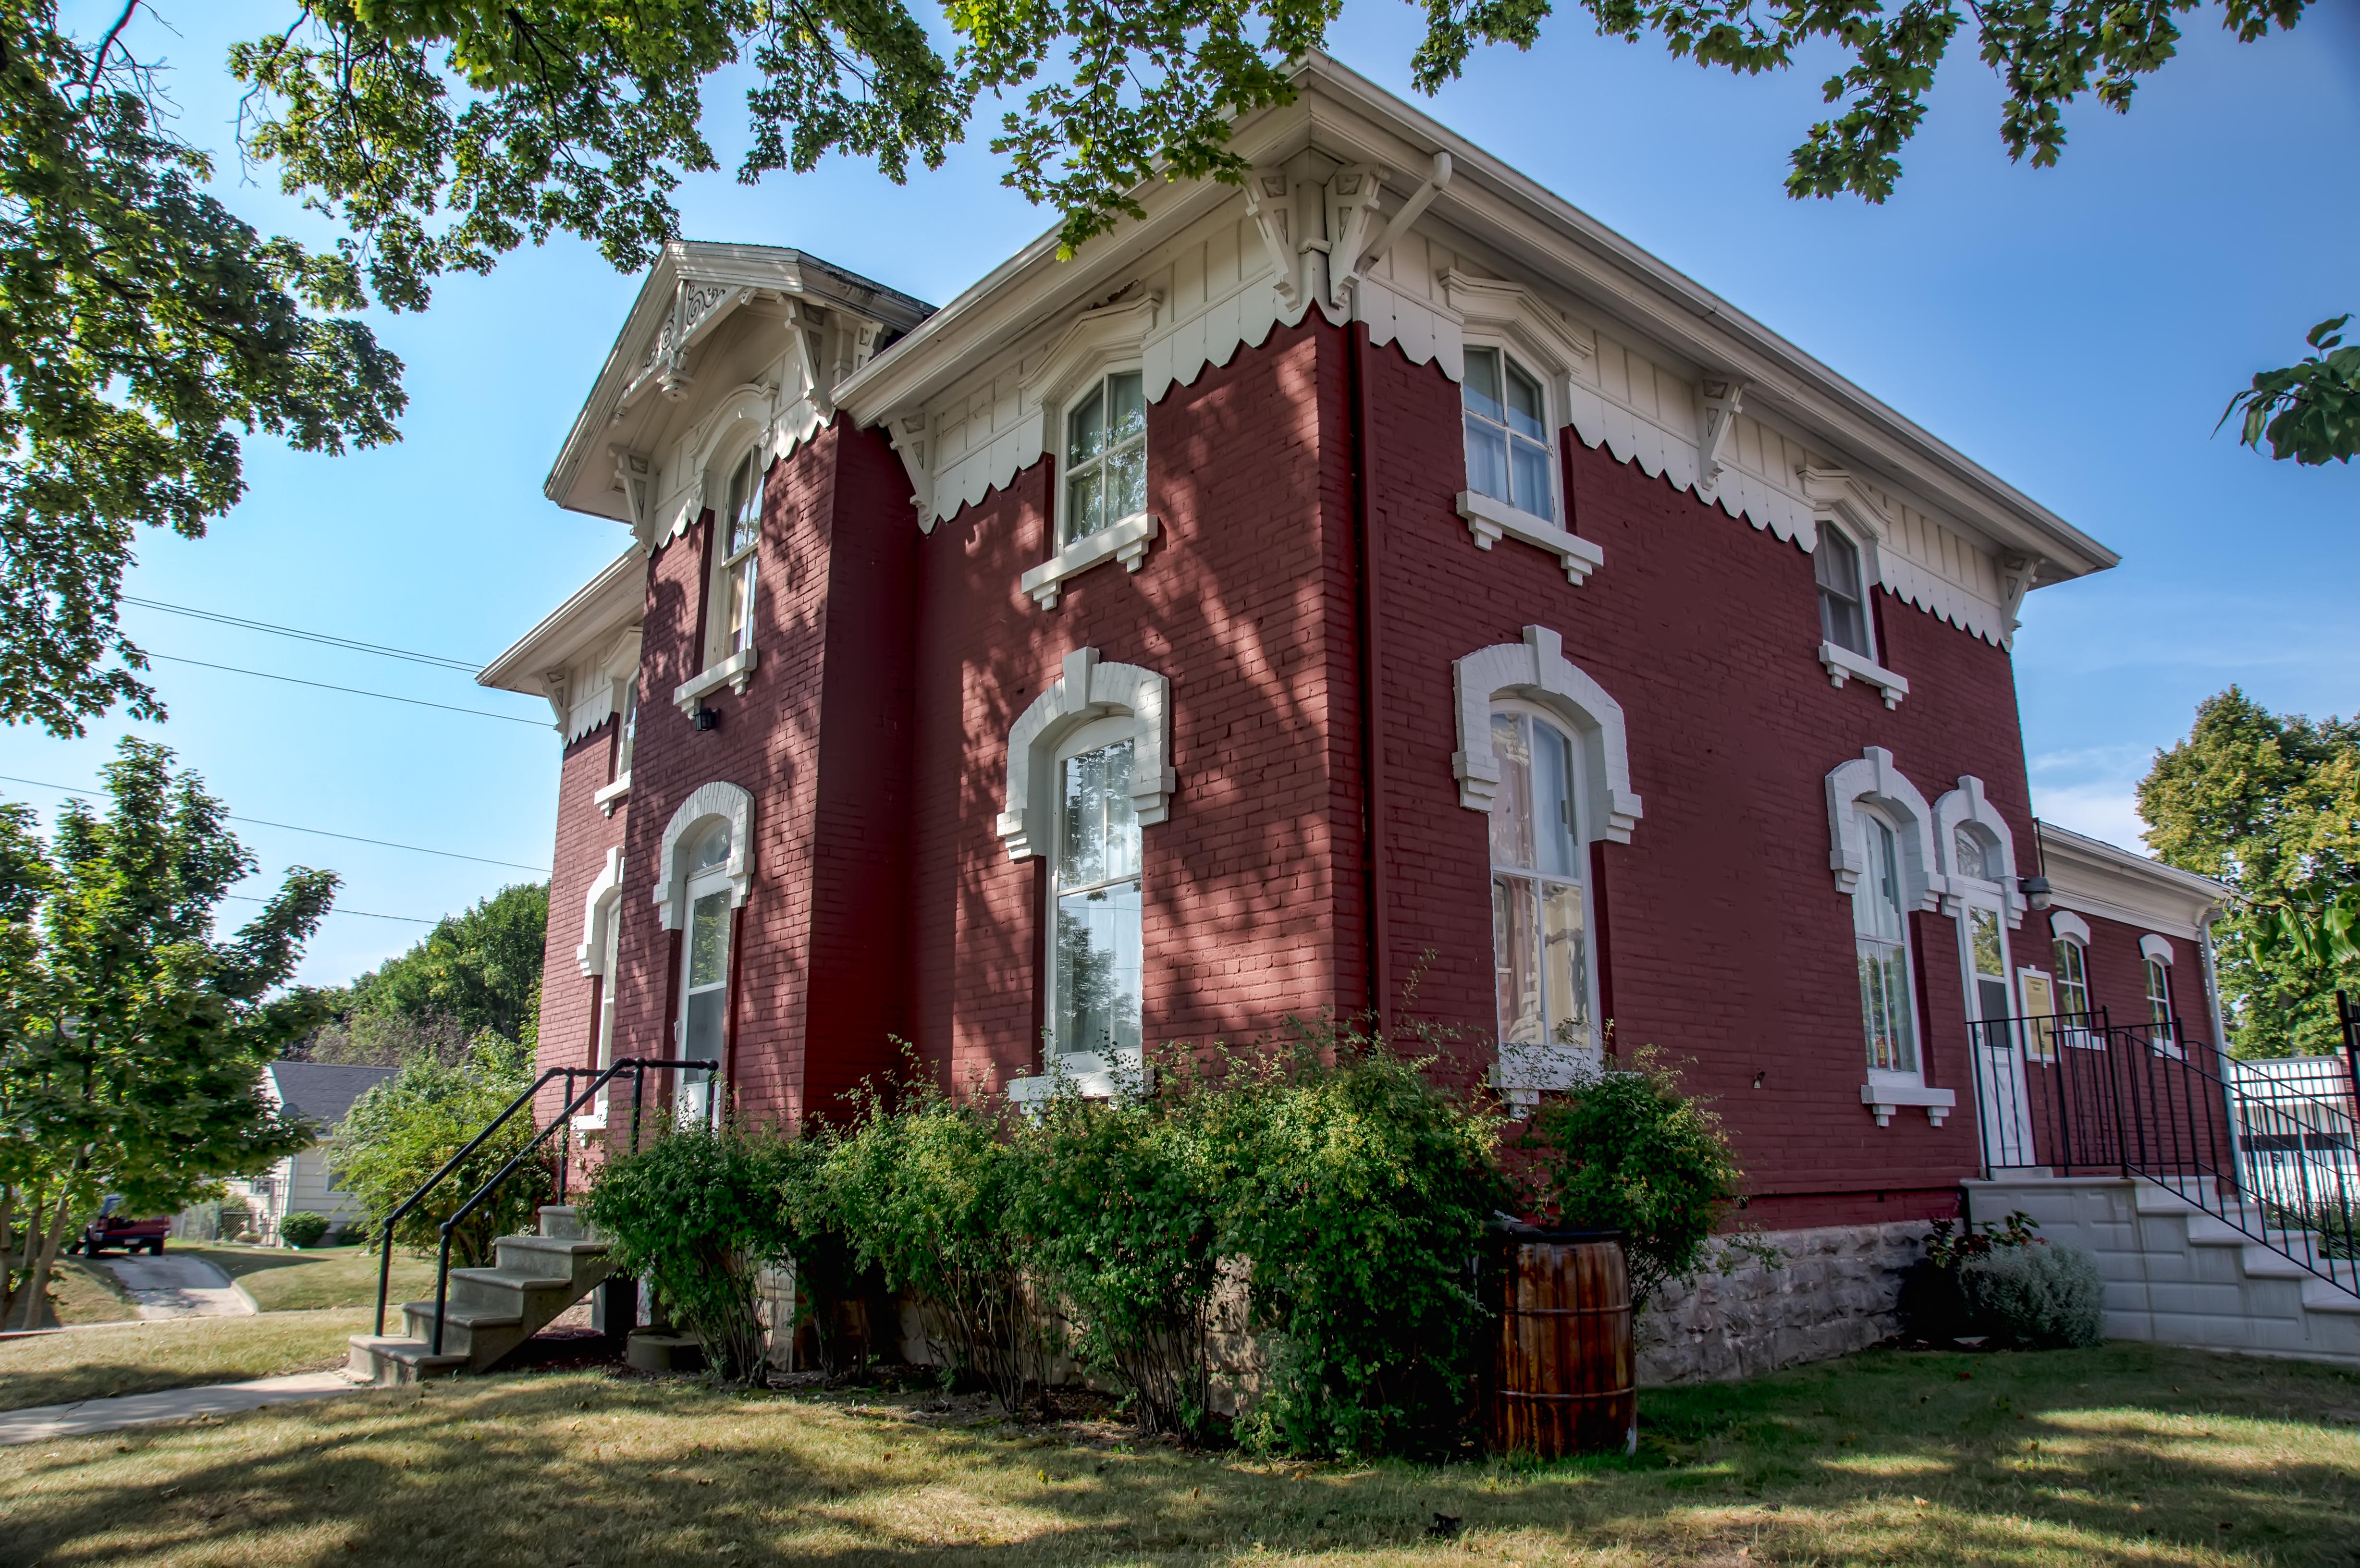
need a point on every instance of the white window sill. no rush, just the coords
(1087, 1075)
(1843, 664)
(1126, 541)
(1525, 1073)
(590, 1121)
(1884, 1099)
(735, 670)
(613, 795)
(1490, 521)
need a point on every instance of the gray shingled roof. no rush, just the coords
(324, 1091)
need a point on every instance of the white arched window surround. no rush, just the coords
(1967, 807)
(741, 424)
(1536, 671)
(2064, 925)
(1491, 313)
(598, 905)
(1111, 337)
(1085, 690)
(1837, 498)
(1872, 778)
(2156, 947)
(727, 802)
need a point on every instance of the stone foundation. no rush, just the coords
(1836, 1291)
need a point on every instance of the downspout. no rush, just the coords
(1370, 607)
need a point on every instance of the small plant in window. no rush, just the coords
(1106, 456)
(1507, 434)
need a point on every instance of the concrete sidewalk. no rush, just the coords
(175, 1285)
(43, 1422)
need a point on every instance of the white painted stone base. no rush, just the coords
(1835, 1291)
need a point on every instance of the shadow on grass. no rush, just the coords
(2028, 1459)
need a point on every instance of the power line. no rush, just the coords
(354, 691)
(290, 827)
(466, 666)
(333, 909)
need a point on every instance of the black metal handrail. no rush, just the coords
(639, 1067)
(2277, 1159)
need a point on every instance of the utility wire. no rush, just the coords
(290, 827)
(466, 666)
(336, 909)
(354, 691)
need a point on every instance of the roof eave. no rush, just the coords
(589, 613)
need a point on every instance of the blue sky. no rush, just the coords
(2077, 329)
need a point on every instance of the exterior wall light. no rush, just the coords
(2035, 891)
(707, 718)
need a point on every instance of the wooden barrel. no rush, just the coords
(1566, 1371)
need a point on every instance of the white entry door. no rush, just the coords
(1996, 1035)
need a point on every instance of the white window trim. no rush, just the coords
(608, 797)
(1491, 519)
(1843, 664)
(1968, 803)
(1526, 1070)
(715, 799)
(1110, 338)
(598, 905)
(1086, 689)
(1536, 671)
(734, 671)
(1872, 776)
(2156, 947)
(1838, 501)
(2067, 924)
(726, 563)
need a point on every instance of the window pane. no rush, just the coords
(1515, 940)
(700, 1038)
(1101, 838)
(1886, 1006)
(1128, 416)
(1483, 389)
(1098, 969)
(1564, 965)
(1876, 903)
(1512, 808)
(745, 505)
(1525, 405)
(2159, 992)
(1983, 942)
(1552, 805)
(1126, 483)
(712, 847)
(736, 496)
(1083, 514)
(1534, 492)
(1487, 460)
(1086, 427)
(1842, 623)
(1967, 853)
(629, 734)
(709, 941)
(742, 606)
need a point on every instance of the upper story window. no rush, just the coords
(1540, 915)
(1094, 958)
(1880, 941)
(1106, 456)
(743, 531)
(2158, 998)
(1508, 455)
(2072, 977)
(1843, 602)
(627, 733)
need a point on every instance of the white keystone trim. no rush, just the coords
(598, 905)
(1535, 669)
(1884, 1099)
(2156, 947)
(1843, 664)
(1967, 803)
(2066, 923)
(1870, 776)
(1491, 520)
(1085, 690)
(734, 671)
(1126, 541)
(710, 801)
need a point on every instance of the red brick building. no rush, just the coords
(1381, 589)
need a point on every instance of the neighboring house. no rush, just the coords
(319, 1093)
(1380, 588)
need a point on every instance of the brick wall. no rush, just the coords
(584, 834)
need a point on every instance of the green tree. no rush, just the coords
(137, 1036)
(141, 324)
(2311, 411)
(2268, 803)
(479, 969)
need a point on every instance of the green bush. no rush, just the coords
(695, 1214)
(2046, 1296)
(303, 1228)
(1628, 1151)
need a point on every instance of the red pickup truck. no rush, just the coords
(128, 1235)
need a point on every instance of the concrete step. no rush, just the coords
(560, 1223)
(392, 1361)
(502, 1287)
(547, 1257)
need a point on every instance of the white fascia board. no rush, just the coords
(2097, 878)
(591, 615)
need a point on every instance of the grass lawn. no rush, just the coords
(82, 1293)
(53, 1369)
(2125, 1454)
(319, 1280)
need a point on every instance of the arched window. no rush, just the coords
(1880, 925)
(1540, 908)
(2155, 953)
(705, 965)
(1094, 948)
(736, 565)
(1508, 451)
(2072, 975)
(1967, 856)
(1843, 600)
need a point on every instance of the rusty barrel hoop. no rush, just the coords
(1565, 1370)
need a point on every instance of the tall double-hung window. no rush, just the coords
(2072, 975)
(1843, 598)
(743, 525)
(1880, 941)
(1106, 456)
(1540, 916)
(1508, 455)
(704, 966)
(2158, 1001)
(1095, 961)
